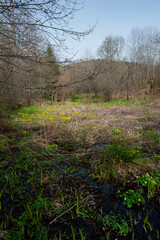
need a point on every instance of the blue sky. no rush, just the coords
(113, 17)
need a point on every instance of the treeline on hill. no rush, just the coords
(124, 68)
(107, 79)
(29, 69)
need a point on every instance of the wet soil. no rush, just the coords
(98, 201)
(105, 197)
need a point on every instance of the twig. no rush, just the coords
(55, 219)
(20, 148)
(37, 164)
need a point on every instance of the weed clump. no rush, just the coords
(121, 154)
(131, 197)
(117, 223)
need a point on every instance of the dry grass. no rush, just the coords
(85, 125)
(95, 123)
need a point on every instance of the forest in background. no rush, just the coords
(28, 65)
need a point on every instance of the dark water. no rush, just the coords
(141, 231)
(107, 195)
(114, 204)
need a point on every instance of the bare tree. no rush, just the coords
(25, 26)
(111, 51)
(111, 48)
(50, 17)
(144, 53)
(80, 77)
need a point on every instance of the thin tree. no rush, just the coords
(25, 26)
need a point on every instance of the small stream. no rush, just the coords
(150, 214)
(113, 203)
(108, 190)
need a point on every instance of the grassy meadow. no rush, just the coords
(81, 170)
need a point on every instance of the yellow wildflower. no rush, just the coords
(66, 118)
(139, 200)
(133, 151)
(116, 131)
(54, 145)
(125, 199)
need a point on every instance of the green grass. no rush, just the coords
(121, 153)
(121, 102)
(83, 99)
(117, 223)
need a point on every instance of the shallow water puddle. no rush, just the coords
(146, 218)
